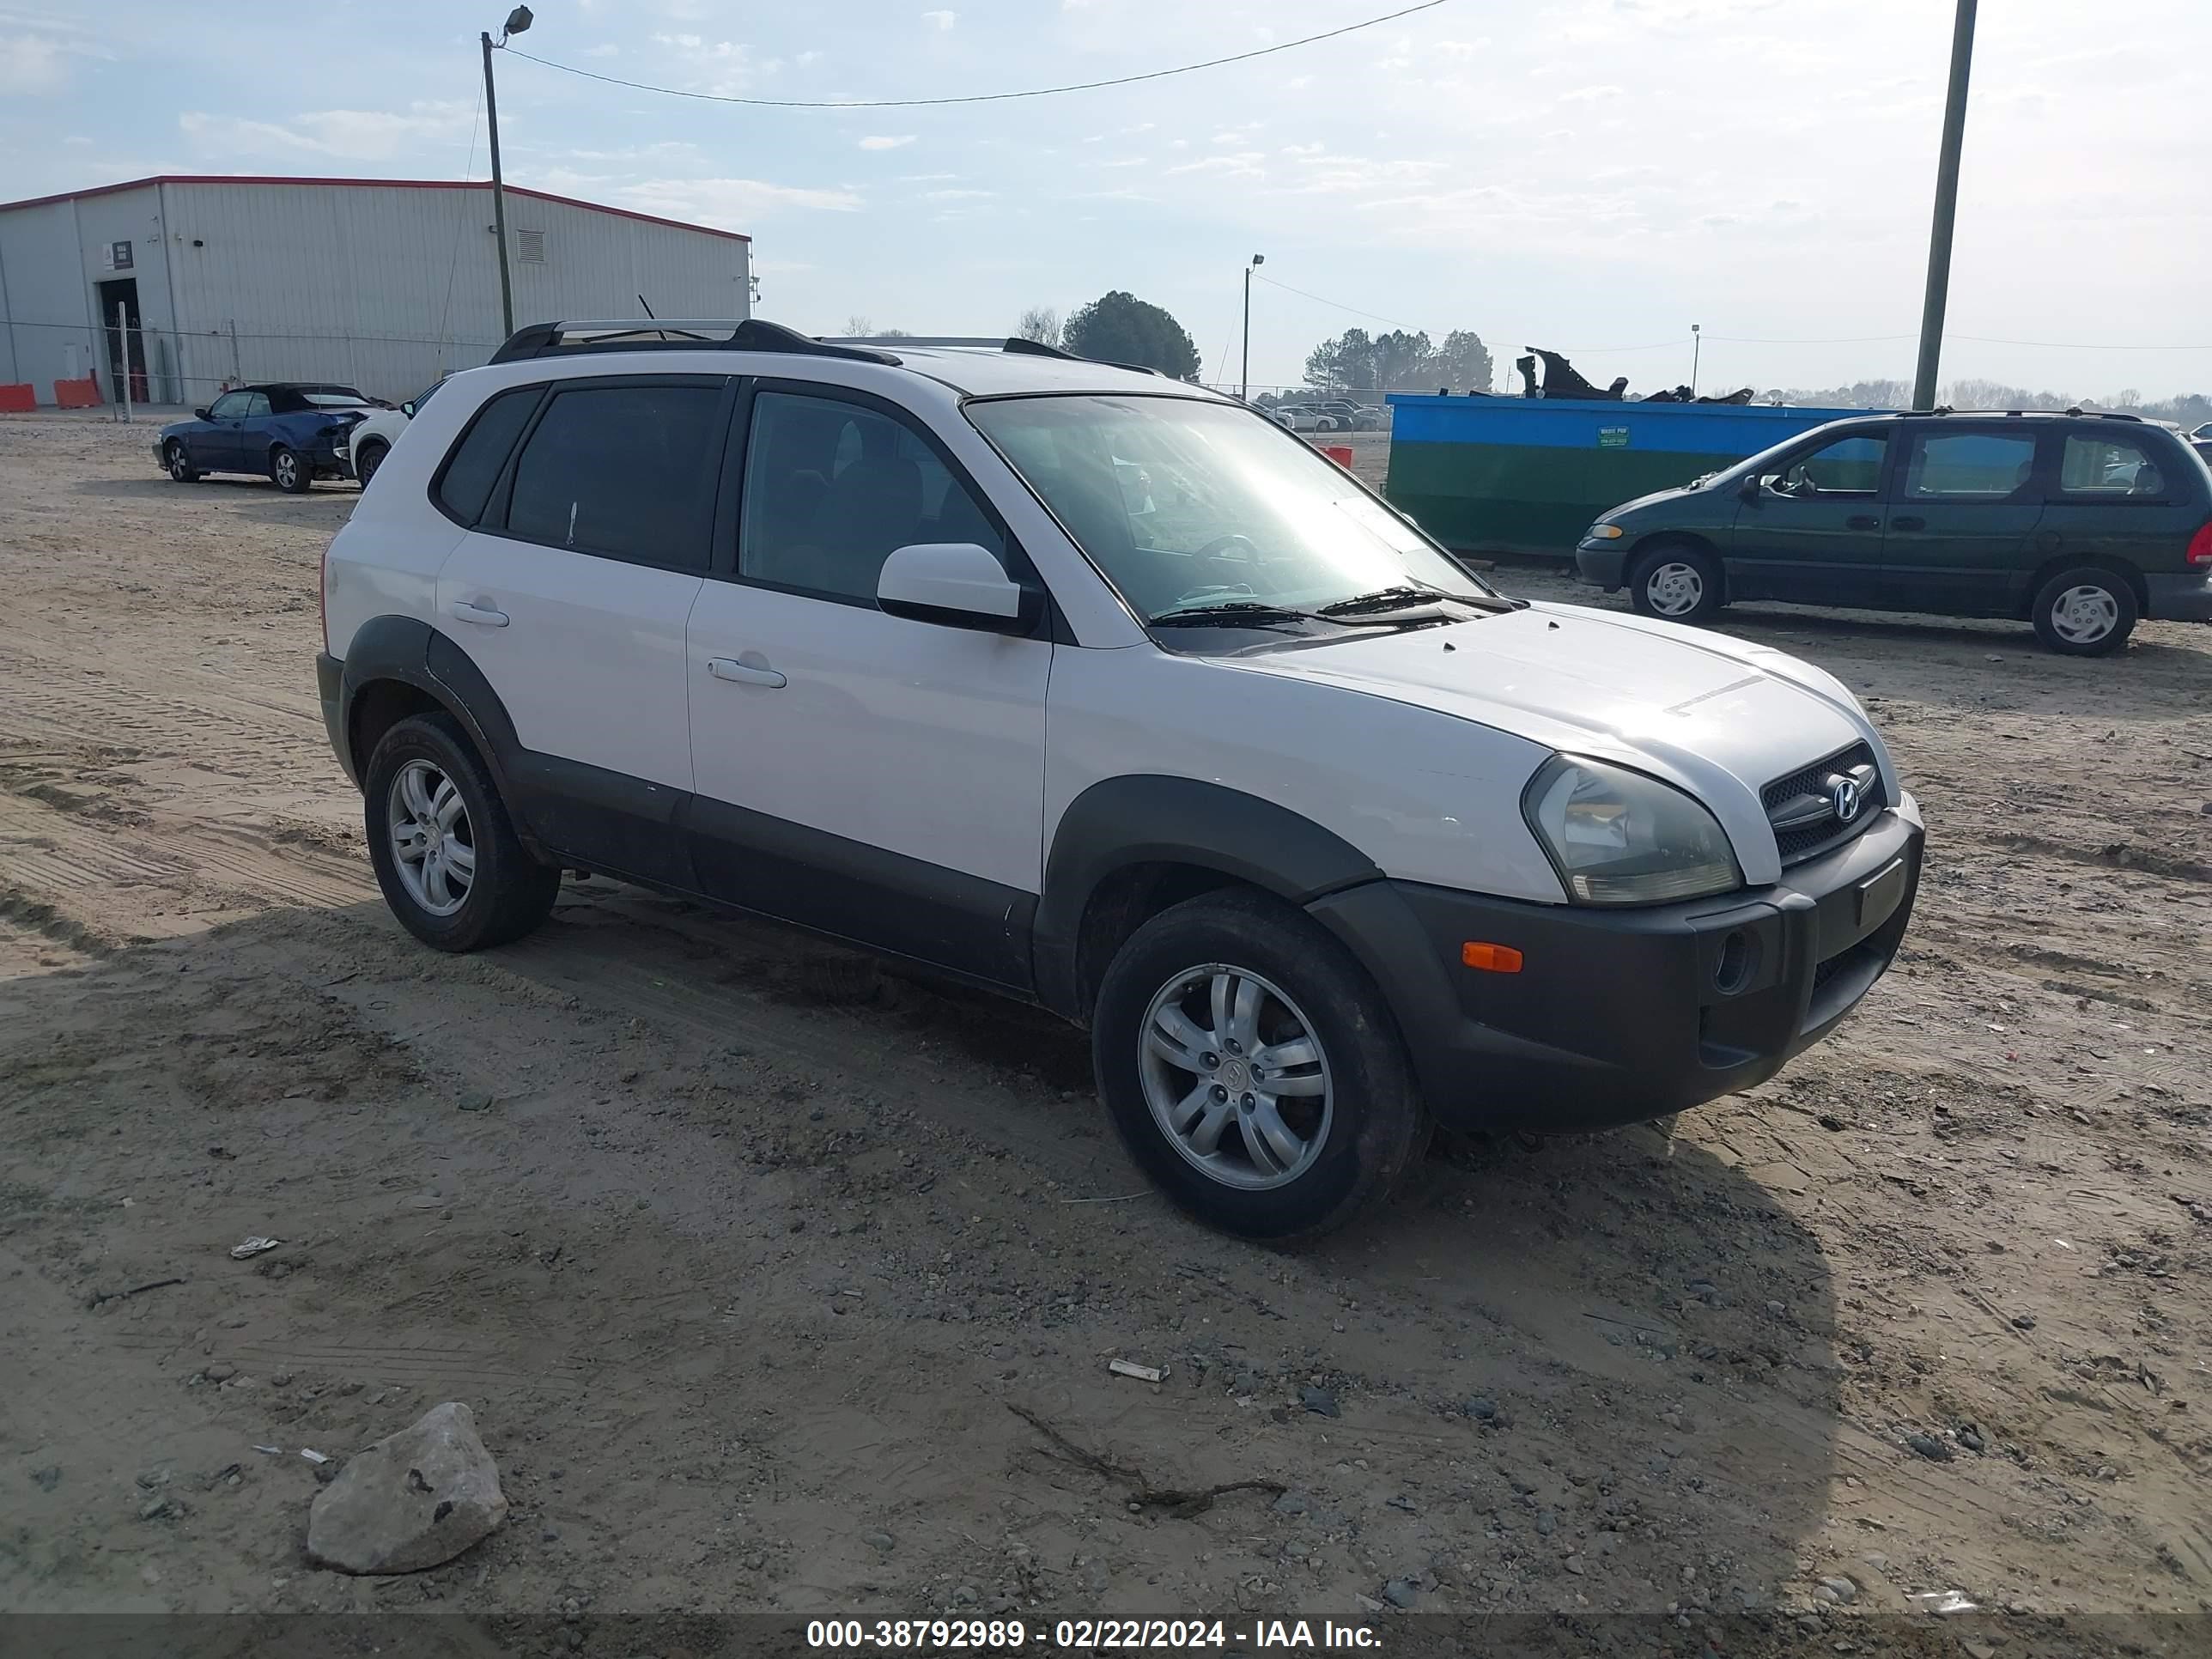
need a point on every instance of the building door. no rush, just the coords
(129, 342)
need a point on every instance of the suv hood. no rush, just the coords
(1711, 714)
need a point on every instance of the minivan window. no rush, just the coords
(2094, 465)
(1968, 465)
(628, 471)
(1230, 508)
(474, 466)
(831, 489)
(1848, 466)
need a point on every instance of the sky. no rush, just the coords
(1592, 176)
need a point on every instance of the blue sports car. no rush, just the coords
(288, 433)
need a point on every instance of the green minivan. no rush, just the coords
(2078, 523)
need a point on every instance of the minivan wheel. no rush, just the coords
(445, 851)
(1253, 1069)
(1677, 581)
(2088, 611)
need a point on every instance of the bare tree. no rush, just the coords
(1041, 324)
(857, 327)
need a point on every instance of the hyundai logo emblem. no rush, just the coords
(1846, 796)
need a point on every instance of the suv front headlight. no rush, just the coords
(1618, 837)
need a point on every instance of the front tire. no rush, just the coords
(178, 462)
(1677, 581)
(445, 853)
(1253, 1069)
(2087, 611)
(365, 460)
(290, 472)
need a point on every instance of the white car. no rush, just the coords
(362, 450)
(1324, 839)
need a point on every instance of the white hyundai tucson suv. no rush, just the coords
(1324, 839)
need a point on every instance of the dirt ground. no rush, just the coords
(742, 1251)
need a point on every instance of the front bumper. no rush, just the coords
(1618, 1016)
(1602, 564)
(2179, 599)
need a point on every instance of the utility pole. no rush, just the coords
(1697, 349)
(1947, 210)
(517, 21)
(1244, 374)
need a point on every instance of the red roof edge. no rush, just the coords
(373, 184)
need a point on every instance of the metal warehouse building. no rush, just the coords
(379, 283)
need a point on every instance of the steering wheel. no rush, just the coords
(1220, 544)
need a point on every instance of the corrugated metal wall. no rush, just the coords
(384, 286)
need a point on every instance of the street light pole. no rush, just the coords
(517, 21)
(1244, 374)
(1947, 209)
(1696, 348)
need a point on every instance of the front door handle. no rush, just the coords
(483, 615)
(1908, 523)
(1863, 521)
(743, 673)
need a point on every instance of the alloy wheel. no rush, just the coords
(1235, 1076)
(432, 845)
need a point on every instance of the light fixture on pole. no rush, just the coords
(1697, 347)
(517, 21)
(1244, 374)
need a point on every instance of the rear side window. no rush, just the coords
(2093, 465)
(473, 467)
(1985, 467)
(628, 471)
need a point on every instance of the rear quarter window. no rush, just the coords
(465, 482)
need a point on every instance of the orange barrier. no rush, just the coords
(77, 394)
(18, 399)
(1341, 454)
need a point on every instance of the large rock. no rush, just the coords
(411, 1500)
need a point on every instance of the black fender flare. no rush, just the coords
(1148, 818)
(411, 651)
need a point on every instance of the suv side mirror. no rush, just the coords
(957, 583)
(202, 415)
(408, 409)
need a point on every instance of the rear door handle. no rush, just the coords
(483, 615)
(1863, 521)
(743, 673)
(1908, 523)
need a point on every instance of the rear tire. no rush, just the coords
(178, 461)
(452, 867)
(2087, 611)
(290, 472)
(1677, 581)
(1276, 1106)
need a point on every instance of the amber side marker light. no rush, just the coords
(1490, 958)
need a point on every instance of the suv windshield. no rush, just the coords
(1228, 509)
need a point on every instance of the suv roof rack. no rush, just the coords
(2077, 412)
(1014, 346)
(672, 334)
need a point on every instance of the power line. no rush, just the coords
(2074, 345)
(1333, 304)
(977, 97)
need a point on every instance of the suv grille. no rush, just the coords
(1801, 806)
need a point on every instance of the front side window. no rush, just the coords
(1970, 466)
(1183, 503)
(2096, 465)
(1848, 466)
(628, 471)
(231, 406)
(831, 489)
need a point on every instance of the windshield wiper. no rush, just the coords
(1402, 598)
(1254, 612)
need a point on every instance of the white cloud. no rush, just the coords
(1589, 94)
(941, 20)
(1460, 48)
(358, 135)
(806, 58)
(955, 195)
(880, 140)
(1243, 164)
(731, 203)
(1297, 83)
(681, 42)
(34, 65)
(925, 178)
(604, 49)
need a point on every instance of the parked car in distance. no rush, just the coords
(1322, 838)
(2079, 524)
(1353, 417)
(1296, 417)
(362, 448)
(285, 431)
